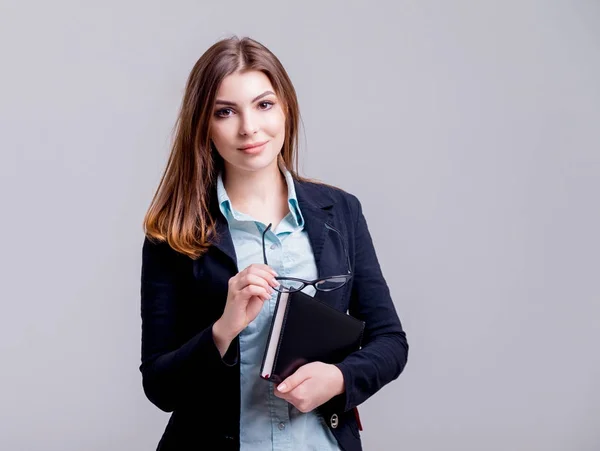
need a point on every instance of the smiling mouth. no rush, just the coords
(253, 146)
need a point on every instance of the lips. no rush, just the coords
(252, 146)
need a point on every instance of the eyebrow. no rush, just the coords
(228, 103)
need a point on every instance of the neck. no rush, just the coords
(248, 190)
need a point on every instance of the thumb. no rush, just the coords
(292, 381)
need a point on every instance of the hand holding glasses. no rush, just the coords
(330, 283)
(250, 288)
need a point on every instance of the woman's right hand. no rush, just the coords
(247, 292)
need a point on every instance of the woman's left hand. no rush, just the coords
(311, 385)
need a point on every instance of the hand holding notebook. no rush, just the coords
(311, 386)
(306, 330)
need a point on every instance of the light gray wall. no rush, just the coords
(469, 130)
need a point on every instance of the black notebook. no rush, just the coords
(305, 330)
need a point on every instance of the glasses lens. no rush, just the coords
(289, 285)
(330, 284)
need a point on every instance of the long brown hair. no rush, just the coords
(180, 209)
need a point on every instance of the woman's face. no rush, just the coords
(247, 112)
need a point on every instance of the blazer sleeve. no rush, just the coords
(385, 349)
(172, 371)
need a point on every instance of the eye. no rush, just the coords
(266, 105)
(223, 112)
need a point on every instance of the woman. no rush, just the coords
(207, 296)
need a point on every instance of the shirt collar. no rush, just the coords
(230, 213)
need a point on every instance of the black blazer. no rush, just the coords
(181, 298)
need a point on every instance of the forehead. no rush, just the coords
(242, 87)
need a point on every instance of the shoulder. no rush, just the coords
(158, 254)
(323, 194)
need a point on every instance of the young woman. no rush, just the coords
(229, 192)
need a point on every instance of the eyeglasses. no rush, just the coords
(290, 284)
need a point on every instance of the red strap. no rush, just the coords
(360, 428)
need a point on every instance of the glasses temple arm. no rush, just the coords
(343, 244)
(263, 244)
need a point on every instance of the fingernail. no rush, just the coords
(282, 387)
(275, 282)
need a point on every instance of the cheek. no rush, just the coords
(221, 133)
(275, 123)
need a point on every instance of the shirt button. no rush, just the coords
(273, 246)
(334, 420)
(281, 426)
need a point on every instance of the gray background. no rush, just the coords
(468, 129)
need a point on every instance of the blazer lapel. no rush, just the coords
(316, 211)
(223, 240)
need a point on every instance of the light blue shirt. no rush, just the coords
(266, 421)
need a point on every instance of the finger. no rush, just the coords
(293, 381)
(264, 279)
(289, 397)
(254, 290)
(285, 396)
(253, 279)
(265, 273)
(261, 267)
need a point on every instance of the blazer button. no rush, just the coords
(334, 420)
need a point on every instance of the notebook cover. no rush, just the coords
(312, 331)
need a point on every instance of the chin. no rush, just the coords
(257, 163)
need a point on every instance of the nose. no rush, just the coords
(248, 125)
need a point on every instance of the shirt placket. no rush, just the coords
(280, 419)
